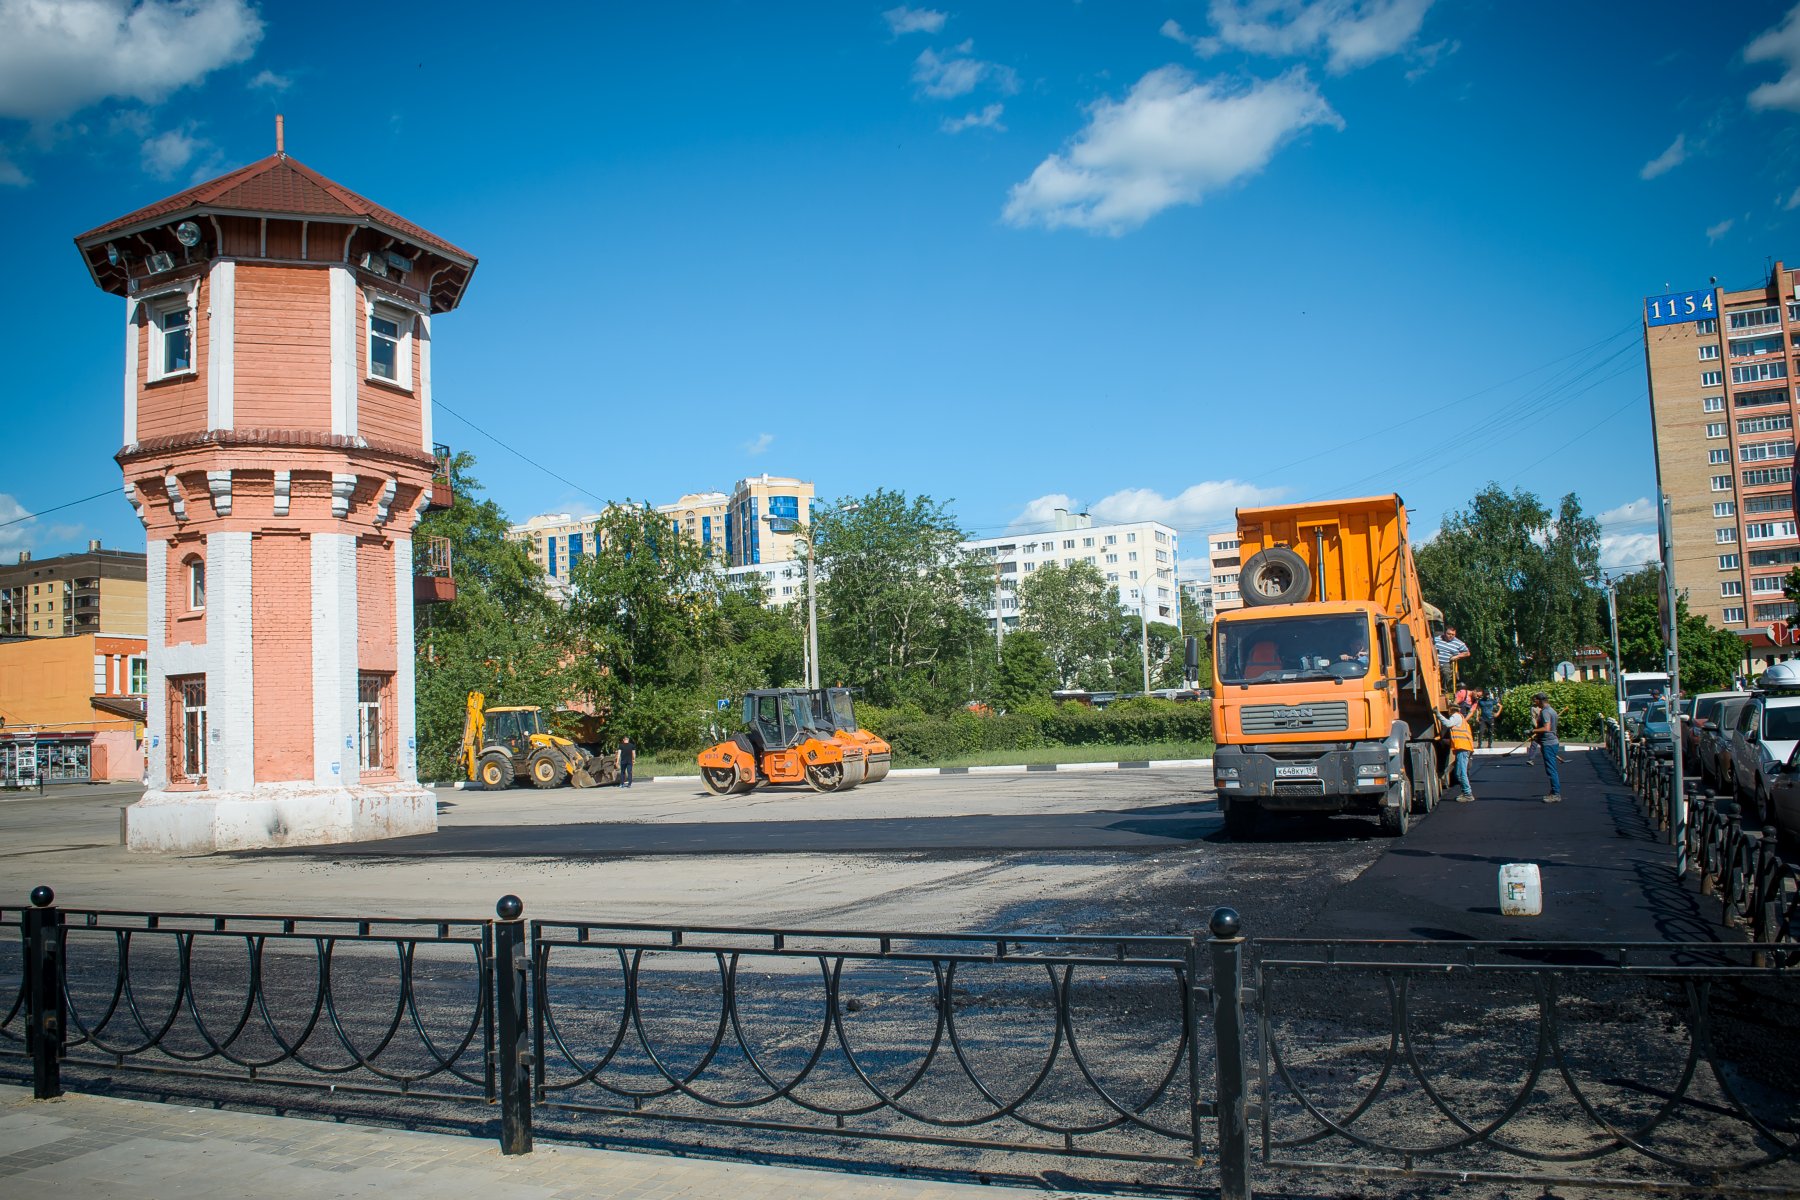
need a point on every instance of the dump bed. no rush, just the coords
(1355, 549)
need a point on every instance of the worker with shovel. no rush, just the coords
(1543, 736)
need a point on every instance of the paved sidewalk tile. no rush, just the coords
(106, 1148)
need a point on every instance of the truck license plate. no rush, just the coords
(1304, 771)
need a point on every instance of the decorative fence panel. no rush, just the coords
(1086, 1047)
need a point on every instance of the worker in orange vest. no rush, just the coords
(1462, 744)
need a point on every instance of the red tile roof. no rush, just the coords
(278, 184)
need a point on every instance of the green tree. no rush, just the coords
(1511, 577)
(645, 614)
(1077, 614)
(1026, 673)
(495, 637)
(899, 601)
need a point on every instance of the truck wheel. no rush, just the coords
(1240, 819)
(1274, 576)
(1396, 819)
(545, 769)
(494, 771)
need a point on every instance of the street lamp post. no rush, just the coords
(804, 534)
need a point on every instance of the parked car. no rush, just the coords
(1633, 719)
(1658, 730)
(1784, 803)
(1764, 738)
(1705, 714)
(1714, 741)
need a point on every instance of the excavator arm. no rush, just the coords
(474, 727)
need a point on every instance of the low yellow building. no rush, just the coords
(76, 703)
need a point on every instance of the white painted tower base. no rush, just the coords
(282, 814)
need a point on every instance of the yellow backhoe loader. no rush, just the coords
(507, 744)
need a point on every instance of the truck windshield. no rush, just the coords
(1653, 685)
(1288, 648)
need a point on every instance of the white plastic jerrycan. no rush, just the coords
(1521, 890)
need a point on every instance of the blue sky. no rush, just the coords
(1148, 259)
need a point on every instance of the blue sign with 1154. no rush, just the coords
(1682, 306)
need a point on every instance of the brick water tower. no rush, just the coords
(278, 448)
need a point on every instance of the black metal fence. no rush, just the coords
(1648, 1066)
(1737, 860)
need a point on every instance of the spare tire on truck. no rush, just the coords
(1274, 576)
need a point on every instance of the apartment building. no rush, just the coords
(701, 516)
(749, 540)
(1722, 403)
(1137, 557)
(556, 542)
(1222, 564)
(782, 582)
(98, 591)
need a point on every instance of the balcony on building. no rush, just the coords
(443, 494)
(433, 582)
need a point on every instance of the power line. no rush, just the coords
(520, 455)
(112, 491)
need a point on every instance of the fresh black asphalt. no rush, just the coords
(1154, 828)
(1606, 874)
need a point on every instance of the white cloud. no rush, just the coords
(14, 536)
(1715, 232)
(19, 530)
(1793, 201)
(945, 78)
(987, 118)
(1351, 33)
(1171, 141)
(11, 174)
(1207, 507)
(270, 80)
(167, 153)
(904, 20)
(59, 56)
(1668, 160)
(1780, 44)
(1203, 46)
(759, 443)
(1425, 58)
(1628, 535)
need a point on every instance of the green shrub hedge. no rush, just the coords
(920, 738)
(1580, 708)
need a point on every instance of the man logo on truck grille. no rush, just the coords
(1293, 718)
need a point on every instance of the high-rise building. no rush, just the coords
(1222, 564)
(100, 591)
(1722, 404)
(748, 537)
(701, 516)
(556, 542)
(1136, 557)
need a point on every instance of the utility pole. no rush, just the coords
(999, 610)
(812, 620)
(1678, 801)
(1612, 623)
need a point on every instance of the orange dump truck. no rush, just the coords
(1326, 689)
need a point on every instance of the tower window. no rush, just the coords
(171, 339)
(196, 573)
(189, 728)
(390, 344)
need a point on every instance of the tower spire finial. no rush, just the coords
(280, 136)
